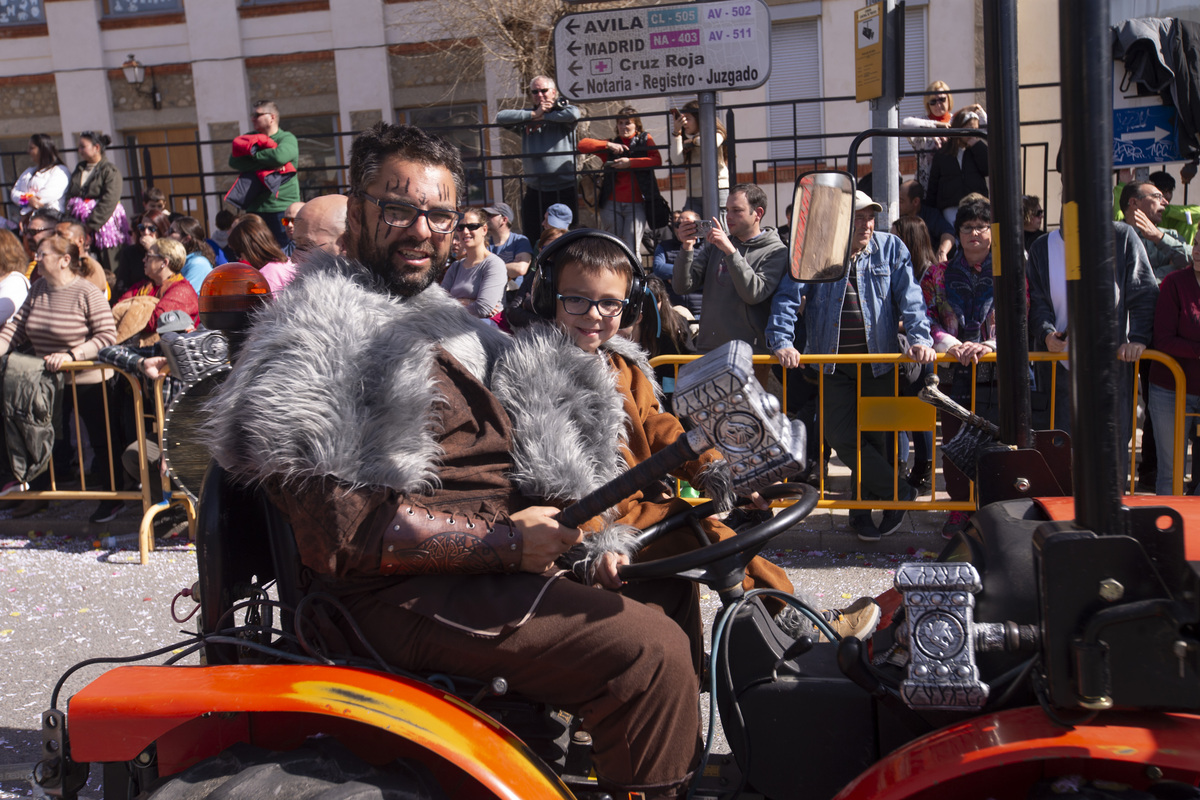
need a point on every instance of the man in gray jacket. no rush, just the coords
(1137, 293)
(547, 131)
(737, 272)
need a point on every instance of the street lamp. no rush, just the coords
(135, 76)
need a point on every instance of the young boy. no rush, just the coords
(592, 273)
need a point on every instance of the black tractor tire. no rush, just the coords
(322, 769)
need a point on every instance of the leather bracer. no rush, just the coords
(420, 541)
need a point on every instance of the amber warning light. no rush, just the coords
(229, 294)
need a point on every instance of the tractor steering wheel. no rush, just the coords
(694, 564)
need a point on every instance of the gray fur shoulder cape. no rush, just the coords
(335, 380)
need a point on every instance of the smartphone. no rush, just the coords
(703, 228)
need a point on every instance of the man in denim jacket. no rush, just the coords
(862, 313)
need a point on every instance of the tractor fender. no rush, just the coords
(1023, 735)
(125, 710)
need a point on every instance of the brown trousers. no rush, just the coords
(621, 665)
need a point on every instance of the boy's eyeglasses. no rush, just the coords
(578, 306)
(402, 215)
(469, 226)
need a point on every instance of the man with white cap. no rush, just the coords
(514, 249)
(861, 313)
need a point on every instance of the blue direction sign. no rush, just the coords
(1145, 135)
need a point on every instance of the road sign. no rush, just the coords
(1145, 135)
(658, 50)
(868, 52)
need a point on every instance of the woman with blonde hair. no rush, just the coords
(165, 285)
(939, 106)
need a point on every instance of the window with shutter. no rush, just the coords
(795, 75)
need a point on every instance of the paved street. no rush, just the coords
(66, 597)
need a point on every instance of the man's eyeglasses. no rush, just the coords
(540, 91)
(36, 231)
(287, 220)
(402, 215)
(1154, 196)
(940, 100)
(578, 306)
(469, 226)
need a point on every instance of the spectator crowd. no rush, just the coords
(82, 281)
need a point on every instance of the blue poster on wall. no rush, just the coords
(1146, 135)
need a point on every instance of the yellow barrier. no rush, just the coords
(897, 414)
(73, 368)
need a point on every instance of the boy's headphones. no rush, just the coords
(543, 295)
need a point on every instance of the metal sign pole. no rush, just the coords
(708, 154)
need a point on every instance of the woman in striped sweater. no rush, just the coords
(66, 318)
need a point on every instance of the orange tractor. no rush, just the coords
(1053, 648)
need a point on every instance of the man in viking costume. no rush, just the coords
(420, 475)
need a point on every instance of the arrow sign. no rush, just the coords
(651, 51)
(1147, 134)
(1155, 134)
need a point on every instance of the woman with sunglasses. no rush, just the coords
(163, 267)
(939, 107)
(148, 228)
(94, 198)
(478, 277)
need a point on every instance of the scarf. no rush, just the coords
(969, 296)
(148, 288)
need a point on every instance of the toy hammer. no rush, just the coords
(731, 412)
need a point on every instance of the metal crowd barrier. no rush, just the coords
(100, 450)
(896, 414)
(171, 497)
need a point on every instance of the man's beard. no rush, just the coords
(379, 262)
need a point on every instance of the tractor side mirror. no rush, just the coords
(822, 217)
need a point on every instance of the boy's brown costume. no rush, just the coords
(649, 430)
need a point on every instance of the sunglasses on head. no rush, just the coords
(469, 226)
